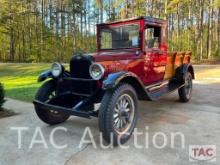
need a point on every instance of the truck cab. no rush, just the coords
(143, 38)
(131, 63)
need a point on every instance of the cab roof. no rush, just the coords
(145, 18)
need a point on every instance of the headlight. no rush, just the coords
(56, 69)
(96, 71)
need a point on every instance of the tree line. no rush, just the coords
(48, 30)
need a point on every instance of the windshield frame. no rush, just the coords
(114, 25)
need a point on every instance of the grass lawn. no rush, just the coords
(20, 80)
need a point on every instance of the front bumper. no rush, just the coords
(75, 111)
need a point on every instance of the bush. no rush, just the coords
(2, 95)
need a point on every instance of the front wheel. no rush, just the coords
(185, 92)
(45, 94)
(118, 114)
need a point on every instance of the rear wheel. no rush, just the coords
(185, 92)
(45, 94)
(118, 114)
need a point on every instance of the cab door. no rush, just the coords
(159, 59)
(155, 60)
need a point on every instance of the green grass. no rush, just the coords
(20, 80)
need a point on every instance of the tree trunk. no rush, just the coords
(165, 9)
(189, 27)
(178, 21)
(209, 35)
(42, 22)
(201, 28)
(199, 32)
(218, 41)
(12, 45)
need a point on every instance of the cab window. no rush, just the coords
(152, 37)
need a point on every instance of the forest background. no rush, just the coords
(49, 30)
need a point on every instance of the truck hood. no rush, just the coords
(115, 61)
(114, 55)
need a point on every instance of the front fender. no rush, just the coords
(115, 78)
(127, 77)
(45, 75)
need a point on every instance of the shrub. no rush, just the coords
(2, 95)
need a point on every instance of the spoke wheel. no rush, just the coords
(50, 97)
(118, 114)
(188, 86)
(45, 94)
(185, 92)
(123, 113)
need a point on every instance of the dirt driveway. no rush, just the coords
(198, 121)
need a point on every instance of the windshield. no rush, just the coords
(126, 36)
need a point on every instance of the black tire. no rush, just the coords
(47, 116)
(185, 92)
(107, 123)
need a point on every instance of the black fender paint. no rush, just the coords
(45, 75)
(182, 70)
(115, 78)
(188, 67)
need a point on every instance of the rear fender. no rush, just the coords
(183, 70)
(188, 68)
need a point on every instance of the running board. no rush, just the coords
(158, 91)
(154, 87)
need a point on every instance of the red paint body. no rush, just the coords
(148, 64)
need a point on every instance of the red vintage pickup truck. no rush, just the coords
(131, 63)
